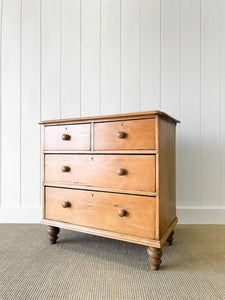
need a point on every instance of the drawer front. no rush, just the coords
(68, 137)
(125, 135)
(127, 214)
(131, 172)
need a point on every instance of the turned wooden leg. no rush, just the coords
(155, 255)
(169, 240)
(53, 234)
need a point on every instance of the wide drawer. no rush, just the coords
(125, 135)
(69, 137)
(131, 172)
(120, 213)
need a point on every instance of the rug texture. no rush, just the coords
(82, 266)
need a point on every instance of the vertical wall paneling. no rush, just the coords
(90, 57)
(1, 4)
(150, 55)
(11, 102)
(67, 58)
(171, 72)
(210, 103)
(130, 55)
(51, 59)
(30, 103)
(70, 58)
(110, 57)
(170, 57)
(223, 103)
(190, 98)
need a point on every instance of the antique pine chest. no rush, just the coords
(112, 176)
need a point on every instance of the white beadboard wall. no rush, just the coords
(67, 58)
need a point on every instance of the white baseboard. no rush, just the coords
(20, 214)
(185, 215)
(201, 215)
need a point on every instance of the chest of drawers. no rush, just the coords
(112, 176)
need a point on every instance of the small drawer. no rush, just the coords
(134, 215)
(67, 137)
(130, 172)
(125, 135)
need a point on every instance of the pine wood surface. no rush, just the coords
(78, 137)
(142, 115)
(167, 175)
(114, 235)
(102, 170)
(117, 180)
(137, 135)
(126, 214)
(98, 189)
(122, 151)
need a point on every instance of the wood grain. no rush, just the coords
(101, 152)
(109, 190)
(157, 176)
(79, 137)
(102, 210)
(113, 235)
(100, 189)
(168, 231)
(167, 173)
(101, 170)
(155, 255)
(105, 233)
(143, 114)
(135, 134)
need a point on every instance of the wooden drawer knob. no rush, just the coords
(65, 169)
(121, 134)
(66, 204)
(65, 137)
(122, 212)
(121, 171)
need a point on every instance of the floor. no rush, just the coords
(82, 266)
